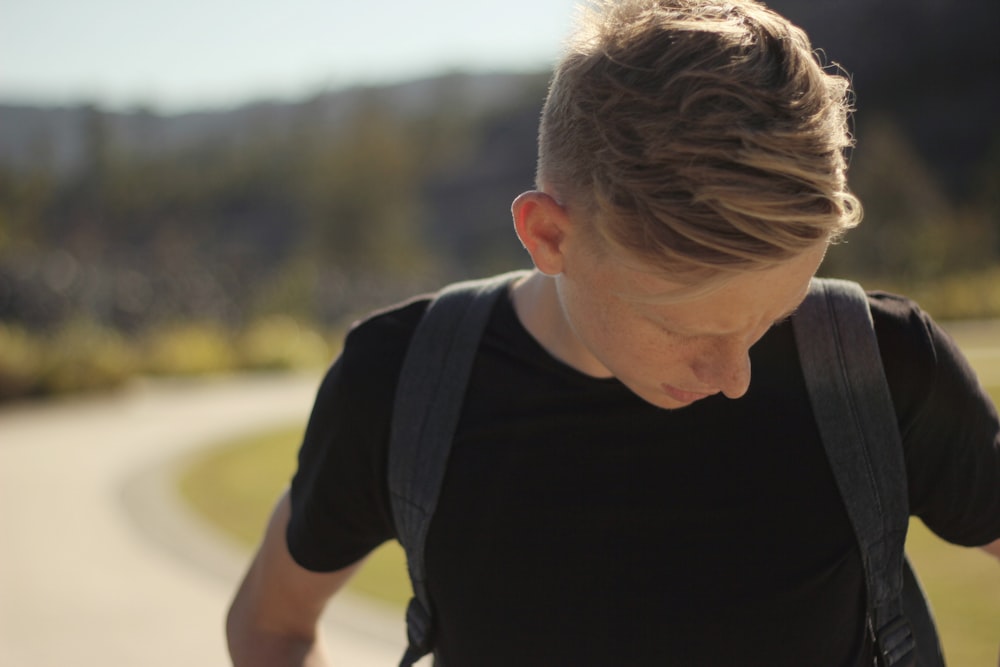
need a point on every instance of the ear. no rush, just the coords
(542, 225)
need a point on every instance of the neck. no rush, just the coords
(536, 303)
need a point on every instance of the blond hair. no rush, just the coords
(702, 135)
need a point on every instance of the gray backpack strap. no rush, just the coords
(857, 423)
(425, 414)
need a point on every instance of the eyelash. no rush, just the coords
(688, 337)
(676, 334)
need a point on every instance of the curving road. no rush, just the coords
(101, 565)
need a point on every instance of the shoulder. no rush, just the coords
(899, 319)
(388, 332)
(395, 321)
(376, 344)
(913, 348)
(917, 353)
(343, 454)
(358, 388)
(950, 428)
(906, 334)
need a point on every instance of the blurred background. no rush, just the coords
(189, 187)
(192, 188)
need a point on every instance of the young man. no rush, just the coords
(619, 491)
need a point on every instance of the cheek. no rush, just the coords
(612, 336)
(628, 344)
(643, 349)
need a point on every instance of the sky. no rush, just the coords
(181, 55)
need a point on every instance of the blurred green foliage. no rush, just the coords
(85, 356)
(284, 222)
(20, 362)
(955, 296)
(917, 237)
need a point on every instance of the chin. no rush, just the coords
(662, 400)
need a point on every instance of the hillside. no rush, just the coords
(324, 206)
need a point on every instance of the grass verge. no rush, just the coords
(236, 484)
(963, 586)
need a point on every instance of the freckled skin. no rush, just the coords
(672, 354)
(607, 316)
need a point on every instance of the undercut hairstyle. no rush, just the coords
(705, 137)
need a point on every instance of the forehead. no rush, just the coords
(729, 304)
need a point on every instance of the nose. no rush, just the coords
(726, 367)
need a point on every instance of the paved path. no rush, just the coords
(101, 566)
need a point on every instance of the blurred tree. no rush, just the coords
(344, 200)
(24, 196)
(360, 193)
(913, 231)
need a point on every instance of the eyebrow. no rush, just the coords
(780, 319)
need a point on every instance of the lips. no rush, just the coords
(683, 396)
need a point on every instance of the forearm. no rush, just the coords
(253, 644)
(255, 647)
(993, 548)
(274, 618)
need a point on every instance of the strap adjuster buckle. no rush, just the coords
(895, 644)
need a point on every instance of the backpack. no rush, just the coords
(849, 396)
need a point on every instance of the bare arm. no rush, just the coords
(993, 548)
(274, 617)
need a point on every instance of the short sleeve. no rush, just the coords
(949, 424)
(339, 493)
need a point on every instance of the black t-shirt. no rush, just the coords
(579, 525)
